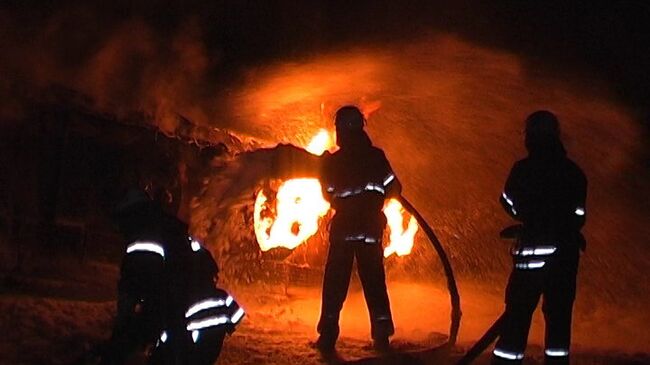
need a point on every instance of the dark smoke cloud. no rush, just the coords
(123, 64)
(167, 58)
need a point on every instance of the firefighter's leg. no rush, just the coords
(206, 346)
(522, 295)
(559, 294)
(171, 351)
(370, 261)
(124, 341)
(158, 355)
(335, 288)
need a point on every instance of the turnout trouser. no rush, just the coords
(136, 326)
(556, 282)
(180, 349)
(370, 264)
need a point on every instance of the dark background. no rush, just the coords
(605, 40)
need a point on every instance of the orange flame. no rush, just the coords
(322, 141)
(401, 239)
(299, 206)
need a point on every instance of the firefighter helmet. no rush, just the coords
(542, 123)
(349, 118)
(131, 199)
(543, 134)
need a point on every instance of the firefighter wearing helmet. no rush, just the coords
(546, 192)
(168, 306)
(356, 179)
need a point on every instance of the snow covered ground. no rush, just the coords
(54, 321)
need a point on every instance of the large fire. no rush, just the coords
(401, 239)
(299, 205)
(322, 141)
(295, 214)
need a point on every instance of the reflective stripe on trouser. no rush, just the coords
(532, 257)
(556, 356)
(215, 311)
(370, 263)
(556, 282)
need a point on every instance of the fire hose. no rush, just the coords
(511, 232)
(490, 335)
(449, 273)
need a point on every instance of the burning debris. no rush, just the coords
(295, 216)
(294, 211)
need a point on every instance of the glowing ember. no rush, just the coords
(401, 239)
(294, 215)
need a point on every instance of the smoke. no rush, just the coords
(135, 70)
(122, 66)
(166, 59)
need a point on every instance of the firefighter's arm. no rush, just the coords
(394, 189)
(327, 191)
(326, 183)
(392, 185)
(580, 212)
(508, 196)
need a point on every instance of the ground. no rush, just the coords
(55, 319)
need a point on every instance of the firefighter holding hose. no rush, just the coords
(546, 192)
(356, 179)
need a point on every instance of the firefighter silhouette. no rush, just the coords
(356, 180)
(168, 306)
(546, 192)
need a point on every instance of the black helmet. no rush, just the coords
(543, 134)
(349, 118)
(133, 198)
(542, 123)
(134, 211)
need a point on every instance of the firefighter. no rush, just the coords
(356, 180)
(209, 314)
(546, 192)
(150, 237)
(167, 297)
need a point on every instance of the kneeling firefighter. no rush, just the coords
(162, 273)
(207, 314)
(141, 306)
(546, 192)
(356, 180)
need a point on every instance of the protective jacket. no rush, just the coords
(357, 180)
(547, 193)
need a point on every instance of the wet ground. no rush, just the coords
(55, 321)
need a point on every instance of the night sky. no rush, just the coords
(47, 42)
